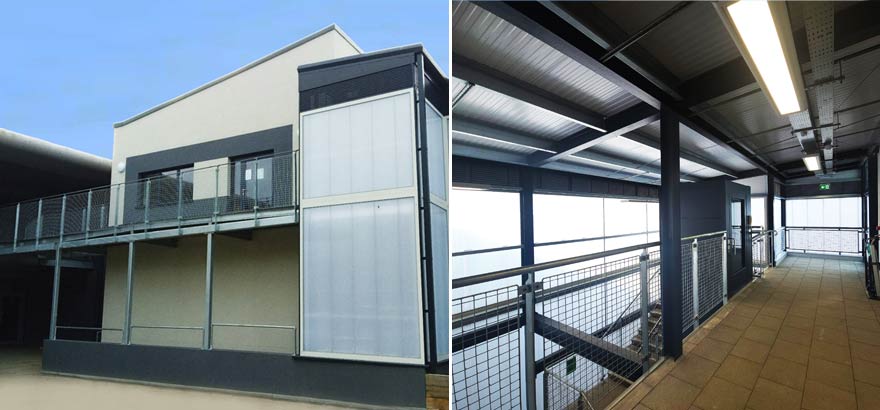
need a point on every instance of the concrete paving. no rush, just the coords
(23, 387)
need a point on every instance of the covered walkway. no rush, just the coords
(23, 387)
(803, 337)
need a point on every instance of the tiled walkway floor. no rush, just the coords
(804, 337)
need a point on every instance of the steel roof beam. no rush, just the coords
(563, 32)
(628, 120)
(643, 139)
(488, 77)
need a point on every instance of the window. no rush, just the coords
(251, 182)
(167, 187)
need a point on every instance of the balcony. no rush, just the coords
(244, 194)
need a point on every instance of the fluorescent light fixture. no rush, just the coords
(754, 22)
(812, 162)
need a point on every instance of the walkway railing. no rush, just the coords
(762, 243)
(833, 240)
(589, 332)
(171, 199)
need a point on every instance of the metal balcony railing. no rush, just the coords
(233, 190)
(589, 332)
(762, 243)
(828, 240)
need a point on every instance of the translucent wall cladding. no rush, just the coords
(359, 147)
(361, 241)
(440, 244)
(360, 290)
(437, 153)
(759, 214)
(824, 212)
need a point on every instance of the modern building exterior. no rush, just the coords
(280, 230)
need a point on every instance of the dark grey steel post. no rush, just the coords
(126, 328)
(670, 232)
(695, 281)
(179, 197)
(209, 292)
(39, 223)
(531, 397)
(527, 257)
(771, 221)
(15, 234)
(61, 226)
(56, 283)
(645, 293)
(88, 214)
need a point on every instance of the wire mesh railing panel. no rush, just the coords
(76, 210)
(710, 274)
(99, 211)
(759, 254)
(28, 221)
(824, 240)
(486, 350)
(655, 333)
(687, 287)
(590, 317)
(50, 226)
(201, 192)
(559, 394)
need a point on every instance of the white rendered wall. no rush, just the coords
(263, 97)
(255, 282)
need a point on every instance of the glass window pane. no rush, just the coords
(360, 279)
(624, 216)
(440, 248)
(484, 219)
(358, 148)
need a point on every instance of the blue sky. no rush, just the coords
(72, 69)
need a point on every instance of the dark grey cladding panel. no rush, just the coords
(348, 381)
(471, 171)
(812, 190)
(350, 78)
(276, 140)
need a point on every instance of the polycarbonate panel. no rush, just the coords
(563, 217)
(436, 153)
(759, 216)
(361, 147)
(623, 216)
(484, 219)
(440, 248)
(360, 279)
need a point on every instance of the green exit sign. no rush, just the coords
(824, 187)
(570, 365)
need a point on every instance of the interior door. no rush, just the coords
(252, 184)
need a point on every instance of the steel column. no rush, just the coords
(527, 257)
(771, 220)
(646, 339)
(872, 193)
(695, 273)
(15, 234)
(126, 328)
(670, 232)
(56, 283)
(209, 293)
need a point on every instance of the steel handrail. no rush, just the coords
(826, 228)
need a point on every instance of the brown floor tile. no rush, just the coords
(819, 396)
(659, 373)
(864, 324)
(741, 371)
(795, 335)
(867, 372)
(632, 399)
(798, 322)
(714, 350)
(720, 394)
(867, 396)
(737, 321)
(785, 372)
(865, 336)
(790, 351)
(725, 334)
(768, 395)
(774, 312)
(694, 370)
(767, 322)
(835, 336)
(862, 351)
(830, 373)
(830, 322)
(671, 394)
(745, 310)
(832, 352)
(760, 334)
(749, 349)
